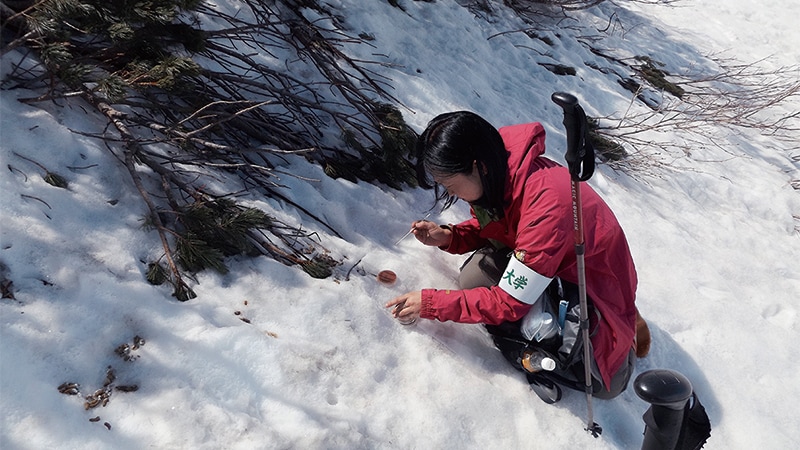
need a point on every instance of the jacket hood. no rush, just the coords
(524, 143)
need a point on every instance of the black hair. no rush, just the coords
(451, 144)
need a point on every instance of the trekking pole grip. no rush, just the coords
(580, 153)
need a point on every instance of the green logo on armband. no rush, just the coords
(522, 282)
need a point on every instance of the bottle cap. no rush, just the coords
(548, 364)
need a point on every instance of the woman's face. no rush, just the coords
(467, 187)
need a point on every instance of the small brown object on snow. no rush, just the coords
(642, 336)
(387, 277)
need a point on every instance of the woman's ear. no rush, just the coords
(476, 165)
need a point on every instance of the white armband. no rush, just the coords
(522, 282)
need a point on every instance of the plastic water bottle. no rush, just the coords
(536, 361)
(539, 326)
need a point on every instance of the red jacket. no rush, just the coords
(538, 220)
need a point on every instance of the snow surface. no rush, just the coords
(321, 364)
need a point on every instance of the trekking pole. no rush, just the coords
(580, 161)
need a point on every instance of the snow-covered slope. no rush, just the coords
(318, 363)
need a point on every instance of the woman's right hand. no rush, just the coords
(431, 234)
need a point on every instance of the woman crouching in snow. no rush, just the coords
(521, 280)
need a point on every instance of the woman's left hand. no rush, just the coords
(407, 306)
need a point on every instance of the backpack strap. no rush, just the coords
(696, 428)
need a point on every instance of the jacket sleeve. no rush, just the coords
(545, 233)
(466, 237)
(491, 306)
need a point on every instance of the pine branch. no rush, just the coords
(188, 123)
(132, 149)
